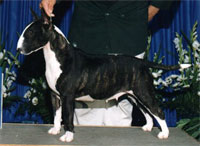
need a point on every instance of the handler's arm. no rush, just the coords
(152, 11)
(48, 6)
(156, 5)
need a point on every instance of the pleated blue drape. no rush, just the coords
(15, 15)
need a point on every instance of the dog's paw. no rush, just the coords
(67, 137)
(147, 127)
(163, 135)
(54, 131)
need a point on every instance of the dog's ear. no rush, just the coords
(35, 16)
(46, 19)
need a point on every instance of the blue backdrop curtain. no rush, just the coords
(15, 15)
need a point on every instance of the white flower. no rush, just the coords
(191, 77)
(34, 91)
(35, 101)
(32, 81)
(44, 85)
(165, 83)
(9, 83)
(160, 71)
(195, 44)
(6, 70)
(176, 41)
(198, 75)
(4, 95)
(27, 94)
(184, 52)
(175, 85)
(186, 86)
(173, 76)
(186, 59)
(157, 82)
(181, 78)
(196, 54)
(156, 74)
(1, 55)
(198, 65)
(14, 74)
(9, 62)
(13, 78)
(3, 89)
(195, 34)
(198, 93)
(168, 80)
(163, 99)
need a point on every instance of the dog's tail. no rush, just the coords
(167, 68)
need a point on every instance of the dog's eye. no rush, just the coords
(30, 33)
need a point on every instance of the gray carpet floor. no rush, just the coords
(22, 135)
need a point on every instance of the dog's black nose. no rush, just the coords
(20, 50)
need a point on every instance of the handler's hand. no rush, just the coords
(48, 5)
(152, 11)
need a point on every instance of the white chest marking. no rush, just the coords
(53, 70)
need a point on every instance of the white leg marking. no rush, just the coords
(149, 123)
(164, 134)
(57, 123)
(67, 137)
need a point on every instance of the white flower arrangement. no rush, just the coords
(8, 62)
(189, 55)
(37, 87)
(35, 99)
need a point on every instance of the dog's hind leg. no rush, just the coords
(68, 115)
(164, 134)
(152, 107)
(55, 99)
(157, 113)
(145, 94)
(149, 121)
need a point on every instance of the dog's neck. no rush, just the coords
(60, 46)
(57, 52)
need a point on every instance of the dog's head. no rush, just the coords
(36, 35)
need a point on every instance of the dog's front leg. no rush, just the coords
(55, 99)
(68, 115)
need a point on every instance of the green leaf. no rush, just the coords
(193, 127)
(182, 123)
(11, 89)
(196, 134)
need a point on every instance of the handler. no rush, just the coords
(109, 27)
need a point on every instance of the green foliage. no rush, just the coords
(191, 126)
